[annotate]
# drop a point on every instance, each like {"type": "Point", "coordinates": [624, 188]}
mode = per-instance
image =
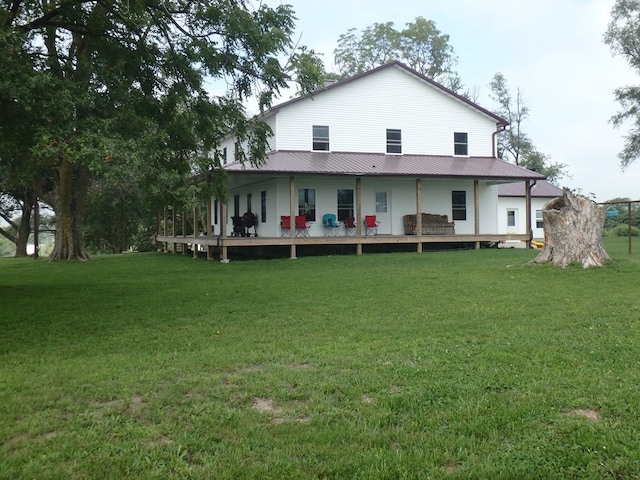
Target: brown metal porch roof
{"type": "Point", "coordinates": [542, 188]}
{"type": "Point", "coordinates": [380, 164]}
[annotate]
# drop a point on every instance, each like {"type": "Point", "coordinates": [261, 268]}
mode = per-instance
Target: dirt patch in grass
{"type": "Point", "coordinates": [278, 416]}
{"type": "Point", "coordinates": [135, 404]}
{"type": "Point", "coordinates": [158, 442]}
{"type": "Point", "coordinates": [593, 415]}
{"type": "Point", "coordinates": [23, 438]}
{"type": "Point", "coordinates": [15, 441]}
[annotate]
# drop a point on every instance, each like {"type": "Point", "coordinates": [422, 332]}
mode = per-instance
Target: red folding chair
{"type": "Point", "coordinates": [302, 226]}
{"type": "Point", "coordinates": [285, 226]}
{"type": "Point", "coordinates": [349, 226]}
{"type": "Point", "coordinates": [370, 225]}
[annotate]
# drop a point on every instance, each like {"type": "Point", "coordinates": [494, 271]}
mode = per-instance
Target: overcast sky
{"type": "Point", "coordinates": [551, 50]}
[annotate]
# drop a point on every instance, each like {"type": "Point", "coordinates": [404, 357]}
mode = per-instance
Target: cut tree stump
{"type": "Point", "coordinates": [573, 228]}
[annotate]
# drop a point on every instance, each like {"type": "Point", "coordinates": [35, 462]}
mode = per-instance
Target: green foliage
{"type": "Point", "coordinates": [622, 36]}
{"type": "Point", "coordinates": [623, 231]}
{"type": "Point", "coordinates": [105, 86]}
{"type": "Point", "coordinates": [7, 247]}
{"type": "Point", "coordinates": [514, 144]}
{"type": "Point", "coordinates": [420, 45]}
{"type": "Point", "coordinates": [436, 365]}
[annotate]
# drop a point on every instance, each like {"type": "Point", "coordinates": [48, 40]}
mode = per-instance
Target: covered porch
{"type": "Point", "coordinates": [176, 232]}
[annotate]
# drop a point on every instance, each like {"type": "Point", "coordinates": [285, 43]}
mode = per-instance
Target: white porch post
{"type": "Point", "coordinates": [357, 213]}
{"type": "Point", "coordinates": [292, 215]}
{"type": "Point", "coordinates": [527, 195]}
{"type": "Point", "coordinates": [196, 230]}
{"type": "Point", "coordinates": [476, 210]}
{"type": "Point", "coordinates": [419, 213]}
{"type": "Point", "coordinates": [224, 253]}
{"type": "Point", "coordinates": [209, 228]}
{"type": "Point", "coordinates": [183, 217]}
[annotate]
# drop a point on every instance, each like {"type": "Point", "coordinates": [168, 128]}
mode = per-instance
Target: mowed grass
{"type": "Point", "coordinates": [452, 365]}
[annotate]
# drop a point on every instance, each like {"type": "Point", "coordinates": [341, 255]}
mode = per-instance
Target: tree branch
{"type": "Point", "coordinates": [45, 19]}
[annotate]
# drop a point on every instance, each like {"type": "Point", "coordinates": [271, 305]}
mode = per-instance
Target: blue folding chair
{"type": "Point", "coordinates": [330, 225]}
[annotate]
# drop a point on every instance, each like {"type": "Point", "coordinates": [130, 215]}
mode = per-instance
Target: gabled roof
{"type": "Point", "coordinates": [379, 164]}
{"type": "Point", "coordinates": [542, 188]}
{"type": "Point", "coordinates": [395, 64]}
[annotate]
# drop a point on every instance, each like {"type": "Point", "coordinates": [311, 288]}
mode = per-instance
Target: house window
{"type": "Point", "coordinates": [236, 205]}
{"type": "Point", "coordinates": [307, 203]}
{"type": "Point", "coordinates": [263, 206]}
{"type": "Point", "coordinates": [381, 202]}
{"type": "Point", "coordinates": [394, 141]}
{"type": "Point", "coordinates": [321, 138]}
{"type": "Point", "coordinates": [460, 143]}
{"type": "Point", "coordinates": [249, 203]}
{"type": "Point", "coordinates": [459, 205]}
{"type": "Point", "coordinates": [224, 156]}
{"type": "Point", "coordinates": [345, 204]}
{"type": "Point", "coordinates": [539, 223]}
{"type": "Point", "coordinates": [511, 218]}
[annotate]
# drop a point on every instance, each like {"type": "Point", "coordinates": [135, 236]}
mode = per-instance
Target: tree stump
{"type": "Point", "coordinates": [573, 228]}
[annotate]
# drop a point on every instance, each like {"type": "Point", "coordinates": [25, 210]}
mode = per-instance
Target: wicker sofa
{"type": "Point", "coordinates": [432, 224]}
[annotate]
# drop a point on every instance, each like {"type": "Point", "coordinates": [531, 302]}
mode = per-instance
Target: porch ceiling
{"type": "Point", "coordinates": [378, 164]}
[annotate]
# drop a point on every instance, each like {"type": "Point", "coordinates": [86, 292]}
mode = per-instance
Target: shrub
{"type": "Point", "coordinates": [623, 231]}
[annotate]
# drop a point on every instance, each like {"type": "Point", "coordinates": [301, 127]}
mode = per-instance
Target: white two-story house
{"type": "Point", "coordinates": [388, 142]}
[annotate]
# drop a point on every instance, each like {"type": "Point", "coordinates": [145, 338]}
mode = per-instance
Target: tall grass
{"type": "Point", "coordinates": [451, 365]}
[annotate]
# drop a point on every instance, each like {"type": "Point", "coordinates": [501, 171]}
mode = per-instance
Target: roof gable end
{"type": "Point", "coordinates": [395, 64]}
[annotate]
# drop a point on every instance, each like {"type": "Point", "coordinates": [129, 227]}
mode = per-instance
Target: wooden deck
{"type": "Point", "coordinates": [211, 243]}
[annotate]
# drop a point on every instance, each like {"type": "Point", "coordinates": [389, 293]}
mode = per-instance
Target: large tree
{"type": "Point", "coordinates": [514, 144]}
{"type": "Point", "coordinates": [623, 37]}
{"type": "Point", "coordinates": [109, 84]}
{"type": "Point", "coordinates": [420, 45]}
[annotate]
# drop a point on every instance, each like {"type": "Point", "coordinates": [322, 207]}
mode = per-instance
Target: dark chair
{"type": "Point", "coordinates": [238, 227]}
{"type": "Point", "coordinates": [249, 219]}
{"type": "Point", "coordinates": [349, 226]}
{"type": "Point", "coordinates": [330, 225]}
{"type": "Point", "coordinates": [370, 225]}
{"type": "Point", "coordinates": [285, 226]}
{"type": "Point", "coordinates": [302, 226]}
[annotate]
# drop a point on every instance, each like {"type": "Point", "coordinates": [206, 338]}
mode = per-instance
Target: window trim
{"type": "Point", "coordinates": [394, 144]}
{"type": "Point", "coordinates": [458, 209]}
{"type": "Point", "coordinates": [318, 139]}
{"type": "Point", "coordinates": [511, 216]}
{"type": "Point", "coordinates": [459, 144]}
{"type": "Point", "coordinates": [345, 209]}
{"type": "Point", "coordinates": [306, 205]}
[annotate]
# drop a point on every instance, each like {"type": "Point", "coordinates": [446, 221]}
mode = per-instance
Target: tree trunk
{"type": "Point", "coordinates": [573, 229]}
{"type": "Point", "coordinates": [71, 186]}
{"type": "Point", "coordinates": [24, 229]}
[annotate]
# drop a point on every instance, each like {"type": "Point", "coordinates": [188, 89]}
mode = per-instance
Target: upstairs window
{"type": "Point", "coordinates": [459, 205]}
{"type": "Point", "coordinates": [394, 141]}
{"type": "Point", "coordinates": [460, 143]}
{"type": "Point", "coordinates": [224, 156]}
{"type": "Point", "coordinates": [321, 138]}
{"type": "Point", "coordinates": [511, 218]}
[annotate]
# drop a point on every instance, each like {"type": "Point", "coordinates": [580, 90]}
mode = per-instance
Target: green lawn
{"type": "Point", "coordinates": [454, 365]}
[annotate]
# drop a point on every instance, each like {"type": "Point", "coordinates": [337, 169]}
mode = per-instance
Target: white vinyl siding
{"type": "Point", "coordinates": [358, 111]}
